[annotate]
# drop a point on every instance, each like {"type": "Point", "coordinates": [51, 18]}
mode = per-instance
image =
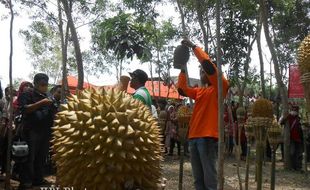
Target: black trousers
{"type": "Point", "coordinates": [3, 154]}
{"type": "Point", "coordinates": [172, 145]}
{"type": "Point", "coordinates": [296, 150]}
{"type": "Point", "coordinates": [244, 148]}
{"type": "Point", "coordinates": [32, 171]}
{"type": "Point", "coordinates": [268, 150]}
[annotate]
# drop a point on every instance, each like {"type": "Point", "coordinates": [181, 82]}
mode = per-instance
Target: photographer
{"type": "Point", "coordinates": [55, 96]}
{"type": "Point", "coordinates": [38, 111]}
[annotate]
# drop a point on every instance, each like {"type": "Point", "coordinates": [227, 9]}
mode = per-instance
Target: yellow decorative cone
{"type": "Point", "coordinates": [304, 67]}
{"type": "Point", "coordinates": [106, 140]}
{"type": "Point", "coordinates": [262, 108]}
{"type": "Point", "coordinates": [304, 55]}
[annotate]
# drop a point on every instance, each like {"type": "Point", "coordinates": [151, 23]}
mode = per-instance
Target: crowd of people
{"type": "Point", "coordinates": [35, 107]}
{"type": "Point", "coordinates": [232, 126]}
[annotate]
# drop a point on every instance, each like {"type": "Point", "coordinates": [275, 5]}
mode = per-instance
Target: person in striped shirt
{"type": "Point", "coordinates": [137, 82]}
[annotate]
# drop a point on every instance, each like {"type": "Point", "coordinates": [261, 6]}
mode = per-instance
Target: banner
{"type": "Point", "coordinates": [295, 88]}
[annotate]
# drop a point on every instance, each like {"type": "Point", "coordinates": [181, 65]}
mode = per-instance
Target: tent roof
{"type": "Point", "coordinates": [165, 92]}
{"type": "Point", "coordinates": [159, 87]}
{"type": "Point", "coordinates": [173, 93]}
{"type": "Point", "coordinates": [73, 81]}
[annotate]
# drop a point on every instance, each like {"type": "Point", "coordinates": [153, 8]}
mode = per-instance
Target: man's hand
{"type": "Point", "coordinates": [188, 43]}
{"type": "Point", "coordinates": [45, 102]}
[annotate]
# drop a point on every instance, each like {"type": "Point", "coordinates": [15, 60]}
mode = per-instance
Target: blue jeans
{"type": "Point", "coordinates": [203, 160]}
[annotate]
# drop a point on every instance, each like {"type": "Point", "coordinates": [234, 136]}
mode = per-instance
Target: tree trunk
{"type": "Point", "coordinates": [117, 71]}
{"type": "Point", "coordinates": [241, 87]}
{"type": "Point", "coordinates": [10, 126]}
{"type": "Point", "coordinates": [246, 69]}
{"type": "Point", "coordinates": [64, 47]}
{"type": "Point", "coordinates": [159, 71]}
{"type": "Point", "coordinates": [210, 34]}
{"type": "Point", "coordinates": [184, 31]}
{"type": "Point", "coordinates": [270, 84]}
{"type": "Point", "coordinates": [281, 86]}
{"type": "Point", "coordinates": [221, 142]}
{"type": "Point", "coordinates": [120, 69]}
{"type": "Point", "coordinates": [151, 72]}
{"type": "Point", "coordinates": [77, 49]}
{"type": "Point", "coordinates": [201, 23]}
{"type": "Point", "coordinates": [261, 60]}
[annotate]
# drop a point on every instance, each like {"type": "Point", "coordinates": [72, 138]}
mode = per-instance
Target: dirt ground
{"type": "Point", "coordinates": [285, 180]}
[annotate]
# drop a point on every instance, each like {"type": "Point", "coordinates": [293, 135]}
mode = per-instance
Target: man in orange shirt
{"type": "Point", "coordinates": [203, 131]}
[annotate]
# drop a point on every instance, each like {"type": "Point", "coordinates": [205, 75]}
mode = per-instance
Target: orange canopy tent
{"type": "Point", "coordinates": [72, 84]}
{"type": "Point", "coordinates": [160, 90]}
{"type": "Point", "coordinates": [165, 91]}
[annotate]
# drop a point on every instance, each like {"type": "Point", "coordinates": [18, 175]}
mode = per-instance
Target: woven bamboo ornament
{"type": "Point", "coordinates": [241, 114]}
{"type": "Point", "coordinates": [184, 115]}
{"type": "Point", "coordinates": [249, 129]}
{"type": "Point", "coordinates": [304, 67]}
{"type": "Point", "coordinates": [106, 140]}
{"type": "Point", "coordinates": [304, 56]}
{"type": "Point", "coordinates": [262, 108]}
{"type": "Point", "coordinates": [274, 133]}
{"type": "Point", "coordinates": [261, 122]}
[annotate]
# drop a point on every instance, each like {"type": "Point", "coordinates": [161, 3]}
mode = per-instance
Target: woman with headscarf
{"type": "Point", "coordinates": [25, 86]}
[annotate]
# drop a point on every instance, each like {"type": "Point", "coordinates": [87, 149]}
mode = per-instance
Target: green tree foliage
{"type": "Point", "coordinates": [43, 49]}
{"type": "Point", "coordinates": [123, 36]}
{"type": "Point", "coordinates": [237, 38]}
{"type": "Point", "coordinates": [290, 21]}
{"type": "Point", "coordinates": [143, 10]}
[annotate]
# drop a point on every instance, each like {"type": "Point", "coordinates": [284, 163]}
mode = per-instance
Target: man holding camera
{"type": "Point", "coordinates": [38, 112]}
{"type": "Point", "coordinates": [203, 131]}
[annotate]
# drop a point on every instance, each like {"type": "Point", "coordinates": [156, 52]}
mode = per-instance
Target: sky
{"type": "Point", "coordinates": [22, 62]}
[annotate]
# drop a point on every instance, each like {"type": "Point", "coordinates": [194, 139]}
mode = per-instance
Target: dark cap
{"type": "Point", "coordinates": [295, 108]}
{"type": "Point", "coordinates": [140, 75]}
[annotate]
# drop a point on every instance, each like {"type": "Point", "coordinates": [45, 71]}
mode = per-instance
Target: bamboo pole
{"type": "Point", "coordinates": [259, 164]}
{"type": "Point", "coordinates": [10, 126]}
{"type": "Point", "coordinates": [221, 147]}
{"type": "Point", "coordinates": [190, 100]}
{"type": "Point", "coordinates": [305, 134]}
{"type": "Point", "coordinates": [273, 167]}
{"type": "Point", "coordinates": [247, 164]}
{"type": "Point", "coordinates": [239, 157]}
{"type": "Point", "coordinates": [181, 161]}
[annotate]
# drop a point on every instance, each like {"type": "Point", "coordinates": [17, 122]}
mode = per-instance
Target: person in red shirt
{"type": "Point", "coordinates": [203, 130]}
{"type": "Point", "coordinates": [296, 138]}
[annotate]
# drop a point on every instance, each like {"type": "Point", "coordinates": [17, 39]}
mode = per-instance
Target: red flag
{"type": "Point", "coordinates": [295, 88]}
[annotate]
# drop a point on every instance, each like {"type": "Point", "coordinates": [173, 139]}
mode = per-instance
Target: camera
{"type": "Point", "coordinates": [55, 103]}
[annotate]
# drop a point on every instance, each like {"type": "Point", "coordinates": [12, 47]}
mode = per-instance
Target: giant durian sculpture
{"type": "Point", "coordinates": [106, 140]}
